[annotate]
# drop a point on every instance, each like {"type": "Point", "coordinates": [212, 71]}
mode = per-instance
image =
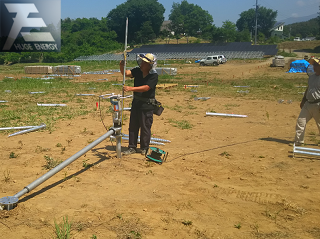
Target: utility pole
{"type": "Point", "coordinates": [256, 27]}
{"type": "Point", "coordinates": [290, 33]}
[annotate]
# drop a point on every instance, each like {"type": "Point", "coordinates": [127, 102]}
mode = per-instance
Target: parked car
{"type": "Point", "coordinates": [210, 60]}
{"type": "Point", "coordinates": [222, 59]}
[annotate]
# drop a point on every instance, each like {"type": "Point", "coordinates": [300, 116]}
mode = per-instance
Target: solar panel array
{"type": "Point", "coordinates": [232, 50]}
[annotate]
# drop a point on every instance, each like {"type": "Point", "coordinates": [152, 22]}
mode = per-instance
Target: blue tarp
{"type": "Point", "coordinates": [298, 66]}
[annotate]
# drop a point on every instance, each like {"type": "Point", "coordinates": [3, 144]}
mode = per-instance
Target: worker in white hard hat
{"type": "Point", "coordinates": [141, 116]}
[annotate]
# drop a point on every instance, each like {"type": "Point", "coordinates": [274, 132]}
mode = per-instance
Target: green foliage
{"type": "Point", "coordinates": [187, 223]}
{"type": "Point", "coordinates": [50, 162]}
{"type": "Point", "coordinates": [189, 18]}
{"type": "Point", "coordinates": [229, 31]}
{"type": "Point", "coordinates": [302, 29]}
{"type": "Point", "coordinates": [273, 40]}
{"type": "Point", "coordinates": [243, 36]}
{"type": "Point", "coordinates": [286, 54]}
{"type": "Point", "coordinates": [261, 37]}
{"type": "Point", "coordinates": [182, 124]}
{"type": "Point", "coordinates": [7, 177]}
{"type": "Point", "coordinates": [134, 235]}
{"type": "Point", "coordinates": [238, 225]}
{"type": "Point", "coordinates": [266, 20]}
{"type": "Point", "coordinates": [12, 155]}
{"type": "Point", "coordinates": [139, 12]}
{"type": "Point", "coordinates": [63, 230]}
{"type": "Point", "coordinates": [79, 37]}
{"type": "Point", "coordinates": [146, 33]}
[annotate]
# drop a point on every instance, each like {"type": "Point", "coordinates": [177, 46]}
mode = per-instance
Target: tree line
{"type": "Point", "coordinates": [82, 36]}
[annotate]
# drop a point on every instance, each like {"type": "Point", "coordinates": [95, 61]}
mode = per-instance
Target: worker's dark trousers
{"type": "Point", "coordinates": [140, 120]}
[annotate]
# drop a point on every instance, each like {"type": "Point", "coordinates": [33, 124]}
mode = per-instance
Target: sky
{"type": "Point", "coordinates": [220, 10]}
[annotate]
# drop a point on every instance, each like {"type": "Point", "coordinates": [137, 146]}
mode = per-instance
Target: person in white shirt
{"type": "Point", "coordinates": [310, 104]}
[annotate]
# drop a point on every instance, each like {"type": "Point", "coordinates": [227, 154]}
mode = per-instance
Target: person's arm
{"type": "Point", "coordinates": [304, 99]}
{"type": "Point", "coordinates": [128, 72]}
{"type": "Point", "coordinates": [142, 88]}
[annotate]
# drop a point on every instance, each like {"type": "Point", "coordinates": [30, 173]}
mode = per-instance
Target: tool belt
{"type": "Point", "coordinates": [157, 107]}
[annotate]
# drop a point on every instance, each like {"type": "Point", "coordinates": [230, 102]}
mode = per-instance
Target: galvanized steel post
{"type": "Point", "coordinates": [65, 163]}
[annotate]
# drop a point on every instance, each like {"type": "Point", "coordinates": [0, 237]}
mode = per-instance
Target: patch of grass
{"type": "Point", "coordinates": [63, 230]}
{"type": "Point", "coordinates": [134, 235]}
{"type": "Point", "coordinates": [149, 172]}
{"type": "Point", "coordinates": [225, 153]}
{"type": "Point", "coordinates": [149, 164]}
{"type": "Point", "coordinates": [229, 106]}
{"type": "Point", "coordinates": [187, 223]}
{"type": "Point", "coordinates": [13, 155]}
{"type": "Point", "coordinates": [23, 108]}
{"type": "Point", "coordinates": [191, 107]}
{"type": "Point", "coordinates": [211, 111]}
{"type": "Point", "coordinates": [130, 228]}
{"type": "Point", "coordinates": [65, 176]}
{"type": "Point", "coordinates": [85, 164]}
{"type": "Point", "coordinates": [287, 54]}
{"type": "Point", "coordinates": [181, 124]}
{"type": "Point", "coordinates": [80, 100]}
{"type": "Point", "coordinates": [39, 149]}
{"type": "Point", "coordinates": [273, 215]}
{"type": "Point", "coordinates": [176, 107]}
{"type": "Point", "coordinates": [267, 115]}
{"type": "Point", "coordinates": [63, 149]}
{"type": "Point", "coordinates": [50, 162]}
{"type": "Point", "coordinates": [7, 176]}
{"type": "Point", "coordinates": [238, 225]}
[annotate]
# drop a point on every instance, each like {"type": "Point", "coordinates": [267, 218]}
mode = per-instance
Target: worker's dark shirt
{"type": "Point", "coordinates": [151, 80]}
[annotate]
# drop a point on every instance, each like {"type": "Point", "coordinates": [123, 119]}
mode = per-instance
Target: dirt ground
{"type": "Point", "coordinates": [226, 177]}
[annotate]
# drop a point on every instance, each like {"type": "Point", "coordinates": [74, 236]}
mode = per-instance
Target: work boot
{"type": "Point", "coordinates": [143, 151]}
{"type": "Point", "coordinates": [129, 151]}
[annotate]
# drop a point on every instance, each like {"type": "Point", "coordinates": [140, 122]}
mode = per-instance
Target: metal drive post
{"type": "Point", "coordinates": [65, 163]}
{"type": "Point", "coordinates": [124, 71]}
{"type": "Point", "coordinates": [19, 127]}
{"type": "Point", "coordinates": [28, 130]}
{"type": "Point", "coordinates": [222, 114]}
{"type": "Point", "coordinates": [118, 143]}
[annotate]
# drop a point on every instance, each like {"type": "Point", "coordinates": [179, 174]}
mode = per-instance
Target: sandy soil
{"type": "Point", "coordinates": [225, 177]}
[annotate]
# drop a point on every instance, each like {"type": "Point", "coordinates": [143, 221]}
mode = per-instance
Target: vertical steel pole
{"type": "Point", "coordinates": [125, 58]}
{"type": "Point", "coordinates": [119, 139]}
